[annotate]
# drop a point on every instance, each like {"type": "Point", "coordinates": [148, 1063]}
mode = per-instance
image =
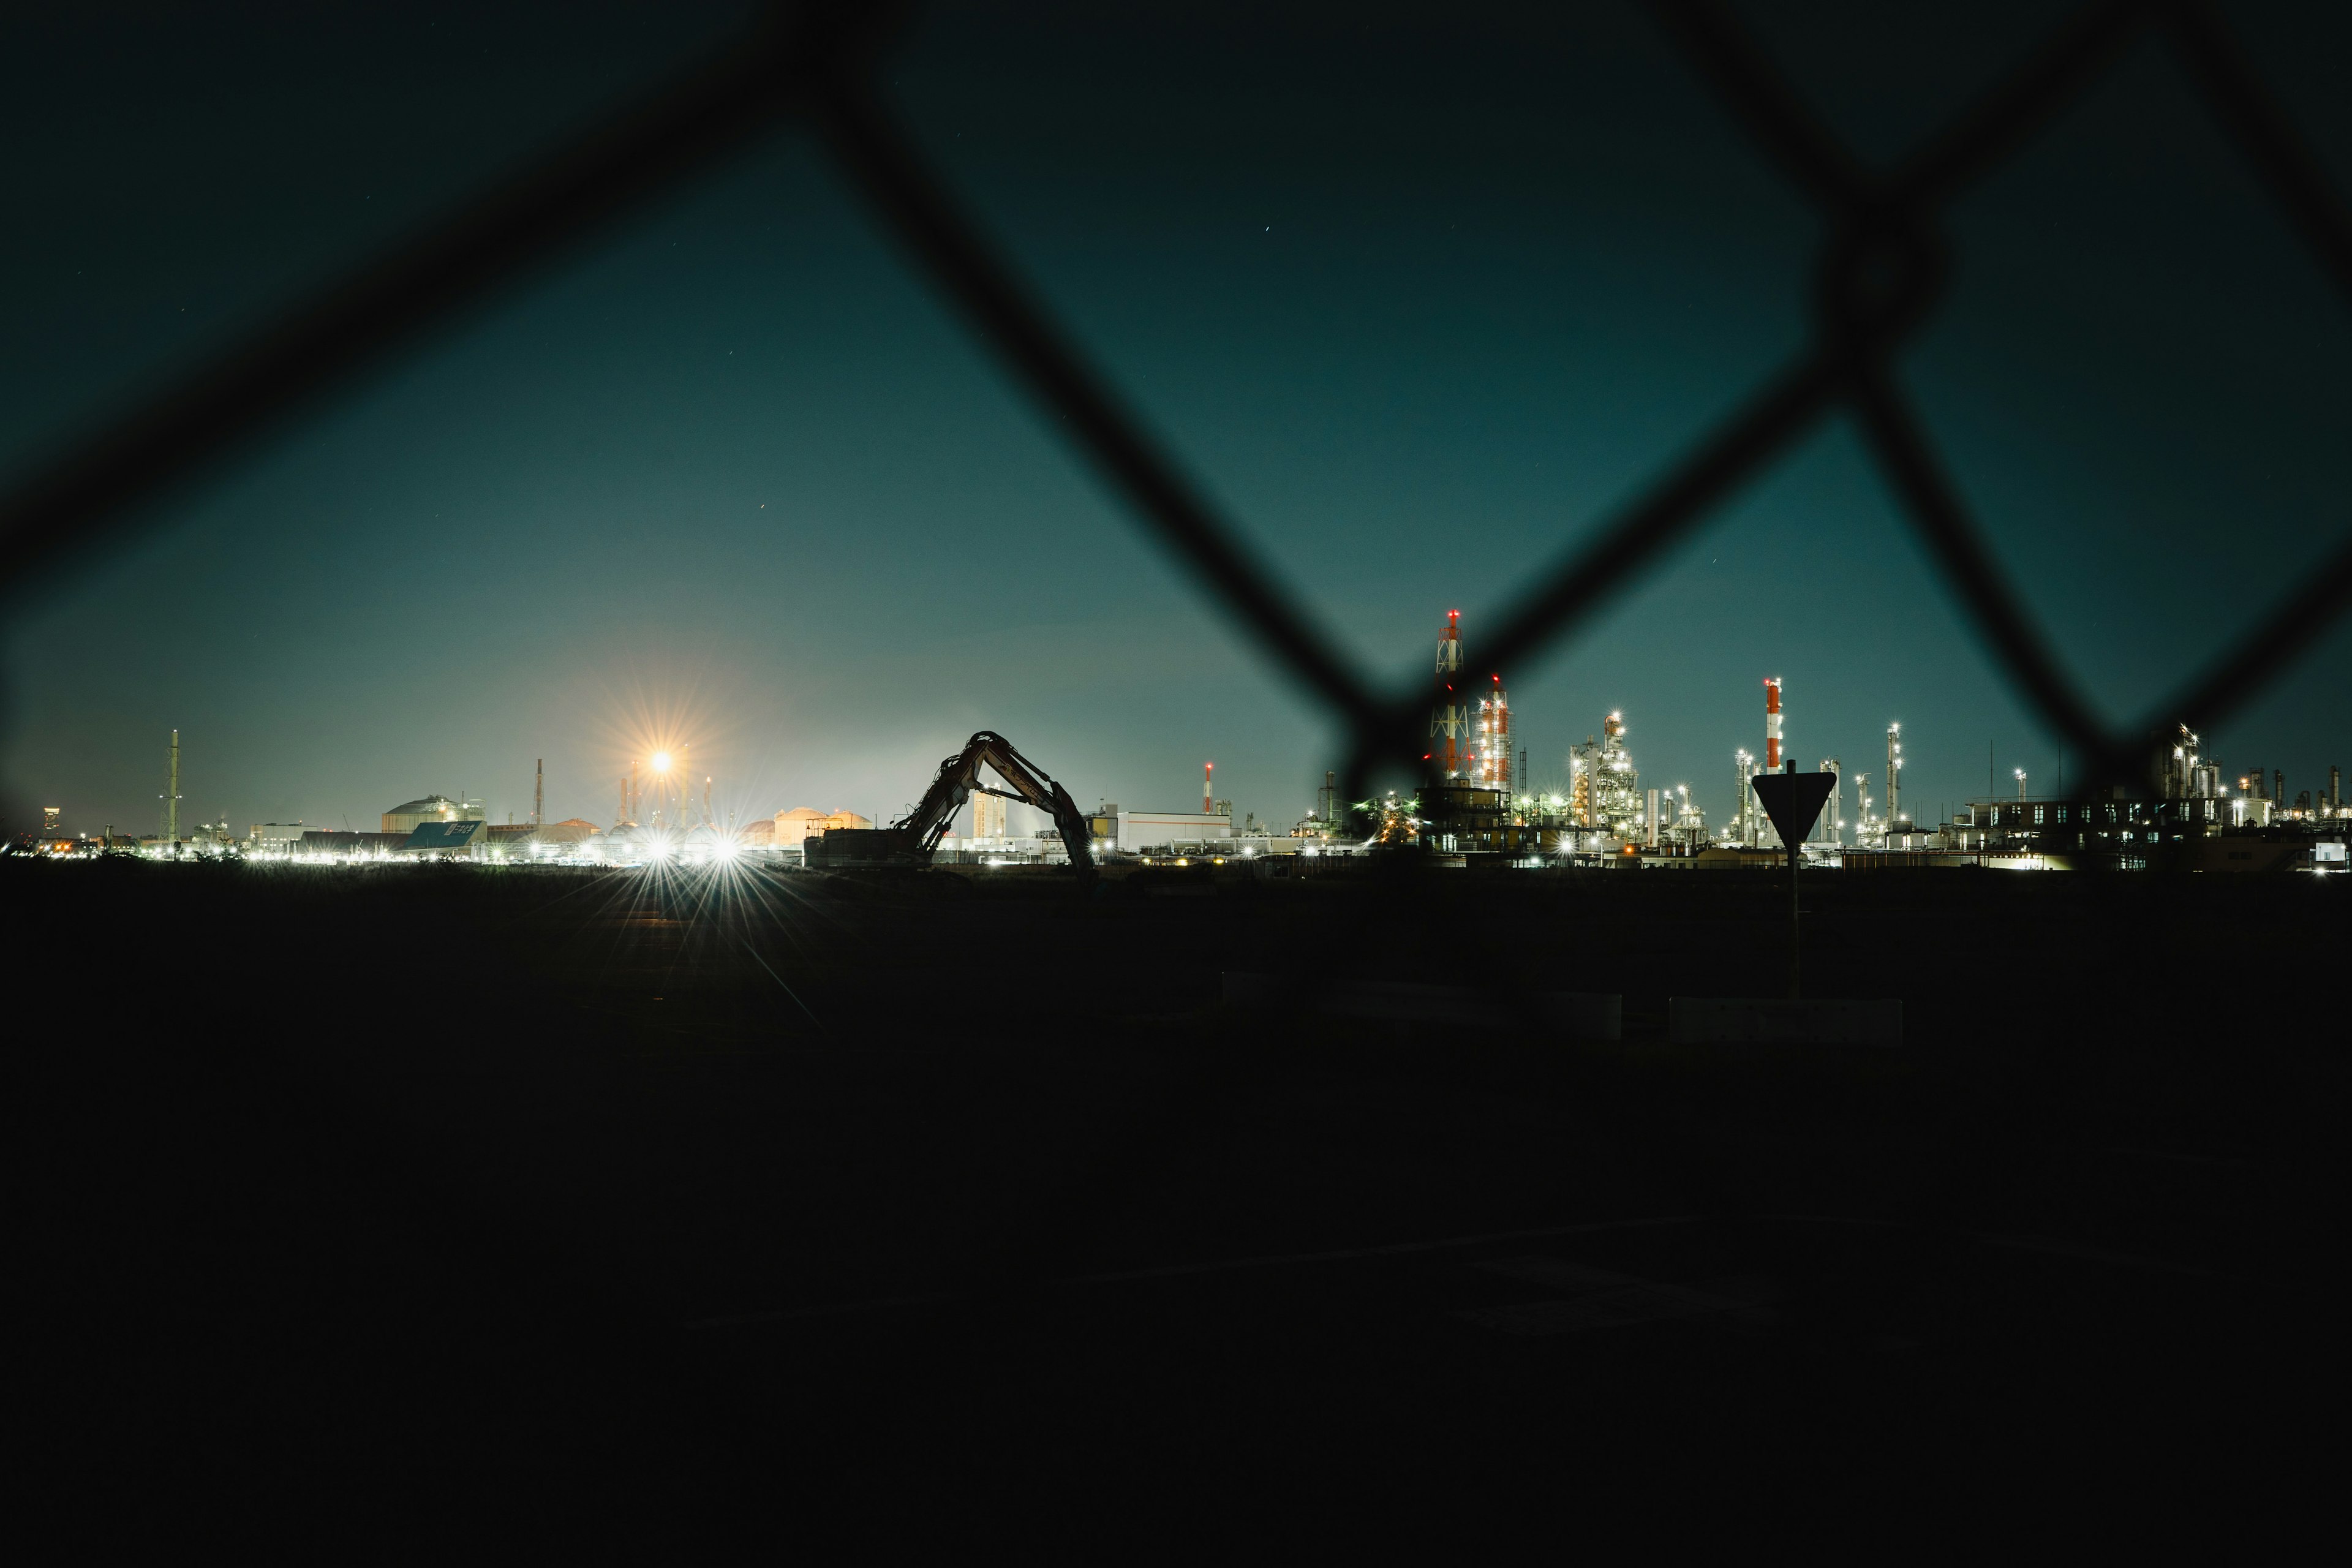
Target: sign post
{"type": "Point", "coordinates": [1793, 801]}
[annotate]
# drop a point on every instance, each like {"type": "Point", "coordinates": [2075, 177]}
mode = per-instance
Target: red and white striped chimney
{"type": "Point", "coordinates": [1772, 725]}
{"type": "Point", "coordinates": [1208, 788]}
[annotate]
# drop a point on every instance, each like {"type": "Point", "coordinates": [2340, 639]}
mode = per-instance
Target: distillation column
{"type": "Point", "coordinates": [1894, 775]}
{"type": "Point", "coordinates": [1449, 718]}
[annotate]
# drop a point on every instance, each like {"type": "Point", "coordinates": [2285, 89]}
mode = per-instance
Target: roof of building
{"type": "Point", "coordinates": [445, 835]}
{"type": "Point", "coordinates": [430, 802]}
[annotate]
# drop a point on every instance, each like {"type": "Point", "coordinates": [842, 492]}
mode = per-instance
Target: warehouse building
{"type": "Point", "coordinates": [467, 838]}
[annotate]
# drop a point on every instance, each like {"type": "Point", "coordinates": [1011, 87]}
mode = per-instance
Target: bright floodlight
{"type": "Point", "coordinates": [661, 761]}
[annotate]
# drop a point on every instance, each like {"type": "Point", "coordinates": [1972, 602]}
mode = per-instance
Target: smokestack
{"type": "Point", "coordinates": [171, 799]}
{"type": "Point", "coordinates": [1208, 789]}
{"type": "Point", "coordinates": [1772, 725]}
{"type": "Point", "coordinates": [708, 819]}
{"type": "Point", "coordinates": [539, 793]}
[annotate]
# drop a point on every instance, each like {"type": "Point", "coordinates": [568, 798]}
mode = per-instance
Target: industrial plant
{"type": "Point", "coordinates": [1472, 806]}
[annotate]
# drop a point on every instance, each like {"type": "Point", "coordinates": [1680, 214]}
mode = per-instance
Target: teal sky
{"type": "Point", "coordinates": [1418, 296]}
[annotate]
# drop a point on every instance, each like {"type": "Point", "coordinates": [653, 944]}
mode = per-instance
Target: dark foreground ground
{"type": "Point", "coordinates": [352, 1206]}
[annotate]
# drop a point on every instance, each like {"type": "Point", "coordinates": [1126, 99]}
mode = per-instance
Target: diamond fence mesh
{"type": "Point", "coordinates": [1881, 271]}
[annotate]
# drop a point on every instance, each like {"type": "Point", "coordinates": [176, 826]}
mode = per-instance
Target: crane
{"type": "Point", "coordinates": [910, 840]}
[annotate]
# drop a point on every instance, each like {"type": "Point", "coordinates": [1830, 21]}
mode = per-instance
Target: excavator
{"type": "Point", "coordinates": [910, 840]}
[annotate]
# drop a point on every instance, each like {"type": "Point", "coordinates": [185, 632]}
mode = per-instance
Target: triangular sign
{"type": "Point", "coordinates": [1793, 801]}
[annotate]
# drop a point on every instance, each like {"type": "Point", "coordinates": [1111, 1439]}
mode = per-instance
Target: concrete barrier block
{"type": "Point", "coordinates": [1731, 1020]}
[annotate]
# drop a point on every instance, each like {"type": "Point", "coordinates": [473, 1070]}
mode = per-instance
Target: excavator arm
{"type": "Point", "coordinates": [912, 839]}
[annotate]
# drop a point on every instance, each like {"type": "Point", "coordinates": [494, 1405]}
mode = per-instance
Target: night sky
{"type": "Point", "coordinates": [1417, 294]}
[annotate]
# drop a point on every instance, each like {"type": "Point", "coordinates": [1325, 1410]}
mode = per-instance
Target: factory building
{"type": "Point", "coordinates": [463, 838]}
{"type": "Point", "coordinates": [326, 844]}
{"type": "Point", "coordinates": [407, 816]}
{"type": "Point", "coordinates": [275, 837]}
{"type": "Point", "coordinates": [1153, 832]}
{"type": "Point", "coordinates": [2037, 826]}
{"type": "Point", "coordinates": [801, 823]}
{"type": "Point", "coordinates": [2226, 835]}
{"type": "Point", "coordinates": [512, 840]}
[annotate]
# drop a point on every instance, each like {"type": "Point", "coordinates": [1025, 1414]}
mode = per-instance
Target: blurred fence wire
{"type": "Point", "coordinates": [1882, 269]}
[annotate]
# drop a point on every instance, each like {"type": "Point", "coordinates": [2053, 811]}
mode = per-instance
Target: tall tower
{"type": "Point", "coordinates": [539, 793]}
{"type": "Point", "coordinates": [1893, 774]}
{"type": "Point", "coordinates": [171, 795]}
{"type": "Point", "coordinates": [987, 816]}
{"type": "Point", "coordinates": [1772, 725]}
{"type": "Point", "coordinates": [1208, 789]}
{"type": "Point", "coordinates": [1449, 717]}
{"type": "Point", "coordinates": [1826, 830]}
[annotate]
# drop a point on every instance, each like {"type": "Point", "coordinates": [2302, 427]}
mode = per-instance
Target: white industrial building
{"type": "Point", "coordinates": [1140, 832]}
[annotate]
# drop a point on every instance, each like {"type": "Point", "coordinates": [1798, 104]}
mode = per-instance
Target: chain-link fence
{"type": "Point", "coordinates": [1879, 276]}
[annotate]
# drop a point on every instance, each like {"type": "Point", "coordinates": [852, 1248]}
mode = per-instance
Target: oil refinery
{"type": "Point", "coordinates": [1473, 806]}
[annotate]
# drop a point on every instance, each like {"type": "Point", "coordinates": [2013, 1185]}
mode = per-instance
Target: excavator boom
{"type": "Point", "coordinates": [912, 839]}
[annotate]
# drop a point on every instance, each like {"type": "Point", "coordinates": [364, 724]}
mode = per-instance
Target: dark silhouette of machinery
{"type": "Point", "coordinates": [910, 840]}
